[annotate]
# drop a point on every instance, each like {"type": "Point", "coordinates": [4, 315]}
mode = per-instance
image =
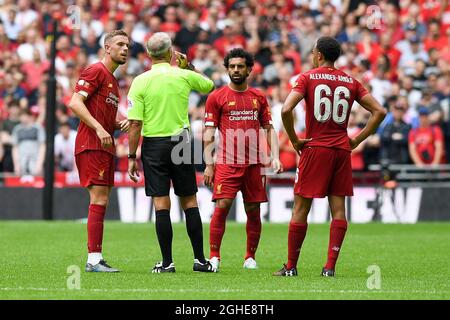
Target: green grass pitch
{"type": "Point", "coordinates": [413, 261]}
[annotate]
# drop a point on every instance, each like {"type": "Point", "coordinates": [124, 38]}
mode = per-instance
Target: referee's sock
{"type": "Point", "coordinates": [164, 232]}
{"type": "Point", "coordinates": [195, 231]}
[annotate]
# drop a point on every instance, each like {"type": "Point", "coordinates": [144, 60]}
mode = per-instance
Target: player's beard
{"type": "Point", "coordinates": [120, 62]}
{"type": "Point", "coordinates": [238, 81]}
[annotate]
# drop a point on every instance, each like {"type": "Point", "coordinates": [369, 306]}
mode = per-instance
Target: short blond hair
{"type": "Point", "coordinates": [115, 33]}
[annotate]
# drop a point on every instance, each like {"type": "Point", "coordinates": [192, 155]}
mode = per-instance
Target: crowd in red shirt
{"type": "Point", "coordinates": [397, 49]}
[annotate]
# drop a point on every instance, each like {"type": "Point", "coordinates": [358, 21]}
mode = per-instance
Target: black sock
{"type": "Point", "coordinates": [195, 231]}
{"type": "Point", "coordinates": [164, 232]}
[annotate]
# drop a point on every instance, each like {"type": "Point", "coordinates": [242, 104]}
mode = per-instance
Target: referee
{"type": "Point", "coordinates": [158, 106]}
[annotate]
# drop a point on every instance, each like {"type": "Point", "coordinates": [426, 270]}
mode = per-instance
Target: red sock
{"type": "Point", "coordinates": [253, 229]}
{"type": "Point", "coordinates": [297, 233]}
{"type": "Point", "coordinates": [95, 227]}
{"type": "Point", "coordinates": [338, 228]}
{"type": "Point", "coordinates": [216, 231]}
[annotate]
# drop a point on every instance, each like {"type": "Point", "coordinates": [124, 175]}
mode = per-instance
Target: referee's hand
{"type": "Point", "coordinates": [181, 60]}
{"type": "Point", "coordinates": [133, 171]}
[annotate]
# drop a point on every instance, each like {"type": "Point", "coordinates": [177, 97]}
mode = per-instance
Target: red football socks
{"type": "Point", "coordinates": [253, 229]}
{"type": "Point", "coordinates": [296, 235]}
{"type": "Point", "coordinates": [337, 233]}
{"type": "Point", "coordinates": [216, 231]}
{"type": "Point", "coordinates": [95, 227]}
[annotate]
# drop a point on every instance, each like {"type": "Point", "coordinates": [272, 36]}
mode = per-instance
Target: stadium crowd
{"type": "Point", "coordinates": [400, 50]}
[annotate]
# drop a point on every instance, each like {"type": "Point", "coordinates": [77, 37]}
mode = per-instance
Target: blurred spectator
{"type": "Point", "coordinates": [394, 138]}
{"type": "Point", "coordinates": [65, 147]}
{"type": "Point", "coordinates": [188, 33]}
{"type": "Point", "coordinates": [412, 54]}
{"type": "Point", "coordinates": [426, 143]}
{"type": "Point", "coordinates": [12, 26]}
{"type": "Point", "coordinates": [404, 54]}
{"type": "Point", "coordinates": [28, 141]}
{"type": "Point", "coordinates": [231, 38]}
{"type": "Point", "coordinates": [288, 155]}
{"type": "Point", "coordinates": [353, 130]}
{"type": "Point", "coordinates": [6, 129]}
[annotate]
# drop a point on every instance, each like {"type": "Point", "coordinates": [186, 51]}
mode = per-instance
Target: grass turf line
{"type": "Point", "coordinates": [412, 259]}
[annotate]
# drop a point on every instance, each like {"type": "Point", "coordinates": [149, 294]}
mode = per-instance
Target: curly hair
{"type": "Point", "coordinates": [239, 53]}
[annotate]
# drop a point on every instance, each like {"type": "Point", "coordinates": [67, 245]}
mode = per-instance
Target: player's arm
{"type": "Point", "coordinates": [272, 141]}
{"type": "Point", "coordinates": [78, 107]}
{"type": "Point", "coordinates": [134, 135]}
{"type": "Point", "coordinates": [287, 116]}
{"type": "Point", "coordinates": [378, 113]}
{"type": "Point", "coordinates": [135, 115]}
{"type": "Point", "coordinates": [208, 140]}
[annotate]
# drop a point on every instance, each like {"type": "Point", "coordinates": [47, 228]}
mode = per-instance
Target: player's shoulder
{"type": "Point", "coordinates": [219, 92]}
{"type": "Point", "coordinates": [95, 70]}
{"type": "Point", "coordinates": [256, 92]}
{"type": "Point", "coordinates": [95, 67]}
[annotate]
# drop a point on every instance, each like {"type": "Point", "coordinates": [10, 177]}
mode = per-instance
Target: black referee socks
{"type": "Point", "coordinates": [164, 232]}
{"type": "Point", "coordinates": [195, 231]}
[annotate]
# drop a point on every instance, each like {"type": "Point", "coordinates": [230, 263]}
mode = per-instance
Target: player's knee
{"type": "Point", "coordinates": [339, 214]}
{"type": "Point", "coordinates": [251, 207]}
{"type": "Point", "coordinates": [161, 203]}
{"type": "Point", "coordinates": [224, 203]}
{"type": "Point", "coordinates": [100, 200]}
{"type": "Point", "coordinates": [189, 202]}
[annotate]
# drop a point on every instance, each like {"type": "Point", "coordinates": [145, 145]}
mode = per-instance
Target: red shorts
{"type": "Point", "coordinates": [228, 180]}
{"type": "Point", "coordinates": [324, 172]}
{"type": "Point", "coordinates": [95, 167]}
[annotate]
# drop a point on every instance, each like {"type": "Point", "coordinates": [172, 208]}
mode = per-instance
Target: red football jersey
{"type": "Point", "coordinates": [424, 139]}
{"type": "Point", "coordinates": [101, 90]}
{"type": "Point", "coordinates": [239, 115]}
{"type": "Point", "coordinates": [329, 95]}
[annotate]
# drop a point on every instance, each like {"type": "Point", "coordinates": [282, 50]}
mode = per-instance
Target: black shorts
{"type": "Point", "coordinates": [161, 167]}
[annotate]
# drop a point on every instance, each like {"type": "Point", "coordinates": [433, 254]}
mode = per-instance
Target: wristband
{"type": "Point", "coordinates": [131, 156]}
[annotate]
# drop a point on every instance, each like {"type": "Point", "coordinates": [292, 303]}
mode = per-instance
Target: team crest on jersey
{"type": "Point", "coordinates": [219, 189]}
{"type": "Point", "coordinates": [101, 174]}
{"type": "Point", "coordinates": [232, 103]}
{"type": "Point", "coordinates": [129, 103]}
{"type": "Point", "coordinates": [109, 85]}
{"type": "Point", "coordinates": [255, 103]}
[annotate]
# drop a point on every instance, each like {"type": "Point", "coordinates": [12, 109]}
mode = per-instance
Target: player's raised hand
{"type": "Point", "coordinates": [208, 175]}
{"type": "Point", "coordinates": [299, 144]}
{"type": "Point", "coordinates": [181, 60]}
{"type": "Point", "coordinates": [133, 171]}
{"type": "Point", "coordinates": [277, 166]}
{"type": "Point", "coordinates": [105, 137]}
{"type": "Point", "coordinates": [124, 125]}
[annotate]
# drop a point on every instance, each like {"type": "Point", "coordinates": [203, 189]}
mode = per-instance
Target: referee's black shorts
{"type": "Point", "coordinates": [161, 166]}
